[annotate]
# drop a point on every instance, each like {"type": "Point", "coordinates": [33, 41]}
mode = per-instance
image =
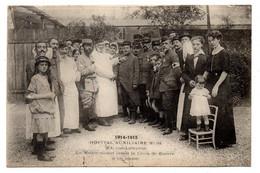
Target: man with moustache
{"type": "Point", "coordinates": [88, 86]}
{"type": "Point", "coordinates": [128, 77]}
{"type": "Point", "coordinates": [145, 67]}
{"type": "Point", "coordinates": [156, 45]}
{"type": "Point", "coordinates": [169, 88]}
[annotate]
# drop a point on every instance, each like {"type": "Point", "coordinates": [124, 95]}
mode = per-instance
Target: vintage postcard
{"type": "Point", "coordinates": [129, 86]}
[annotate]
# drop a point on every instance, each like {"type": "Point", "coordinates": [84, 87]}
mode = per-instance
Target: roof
{"type": "Point", "coordinates": [32, 15]}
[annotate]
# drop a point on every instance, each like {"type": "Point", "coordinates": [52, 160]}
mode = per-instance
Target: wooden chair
{"type": "Point", "coordinates": [203, 137]}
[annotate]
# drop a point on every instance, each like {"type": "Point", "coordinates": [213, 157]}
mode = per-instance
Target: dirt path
{"type": "Point", "coordinates": [79, 149]}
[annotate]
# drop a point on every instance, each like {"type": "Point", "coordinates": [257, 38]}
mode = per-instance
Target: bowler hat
{"type": "Point", "coordinates": [184, 34]}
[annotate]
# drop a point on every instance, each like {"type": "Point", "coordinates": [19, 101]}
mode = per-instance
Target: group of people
{"type": "Point", "coordinates": [168, 83]}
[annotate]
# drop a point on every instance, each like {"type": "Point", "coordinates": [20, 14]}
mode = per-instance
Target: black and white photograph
{"type": "Point", "coordinates": [128, 86]}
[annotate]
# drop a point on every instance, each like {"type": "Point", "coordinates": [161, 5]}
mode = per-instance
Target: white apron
{"type": "Point", "coordinates": [70, 75]}
{"type": "Point", "coordinates": [106, 103]}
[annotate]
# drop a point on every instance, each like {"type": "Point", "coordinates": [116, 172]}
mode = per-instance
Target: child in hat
{"type": "Point", "coordinates": [42, 107]}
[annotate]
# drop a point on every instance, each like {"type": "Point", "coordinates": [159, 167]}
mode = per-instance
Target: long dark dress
{"type": "Point", "coordinates": [225, 127]}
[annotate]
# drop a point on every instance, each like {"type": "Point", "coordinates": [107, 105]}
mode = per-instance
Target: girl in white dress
{"type": "Point", "coordinates": [199, 104]}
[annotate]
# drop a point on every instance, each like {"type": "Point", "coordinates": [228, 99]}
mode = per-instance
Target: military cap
{"type": "Point", "coordinates": [156, 42]}
{"type": "Point", "coordinates": [126, 43]}
{"type": "Point", "coordinates": [164, 38]}
{"type": "Point", "coordinates": [87, 41]}
{"type": "Point", "coordinates": [146, 40]}
{"type": "Point", "coordinates": [138, 37]}
{"type": "Point", "coordinates": [176, 37]}
{"type": "Point", "coordinates": [42, 59]}
{"type": "Point", "coordinates": [76, 41]}
{"type": "Point", "coordinates": [184, 34]}
{"type": "Point", "coordinates": [136, 45]}
{"type": "Point", "coordinates": [62, 45]}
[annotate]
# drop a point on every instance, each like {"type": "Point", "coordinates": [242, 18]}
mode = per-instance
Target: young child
{"type": "Point", "coordinates": [42, 107]}
{"type": "Point", "coordinates": [199, 104]}
{"type": "Point", "coordinates": [154, 93]}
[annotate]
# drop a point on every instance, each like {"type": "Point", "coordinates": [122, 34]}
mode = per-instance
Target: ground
{"type": "Point", "coordinates": [77, 149]}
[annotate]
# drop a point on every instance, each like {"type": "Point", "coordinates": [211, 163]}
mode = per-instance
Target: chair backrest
{"type": "Point", "coordinates": [213, 116]}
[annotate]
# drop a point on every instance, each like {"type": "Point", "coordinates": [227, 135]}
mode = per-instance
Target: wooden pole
{"type": "Point", "coordinates": [208, 24]}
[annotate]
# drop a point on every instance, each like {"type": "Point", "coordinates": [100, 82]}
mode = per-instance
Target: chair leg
{"type": "Point", "coordinates": [197, 141]}
{"type": "Point", "coordinates": [189, 137]}
{"type": "Point", "coordinates": [214, 145]}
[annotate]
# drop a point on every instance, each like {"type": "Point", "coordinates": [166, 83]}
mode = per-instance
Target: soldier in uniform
{"type": "Point", "coordinates": [146, 68]}
{"type": "Point", "coordinates": [170, 75]}
{"type": "Point", "coordinates": [88, 85]}
{"type": "Point", "coordinates": [128, 77]}
{"type": "Point", "coordinates": [138, 38]}
{"type": "Point", "coordinates": [156, 45]}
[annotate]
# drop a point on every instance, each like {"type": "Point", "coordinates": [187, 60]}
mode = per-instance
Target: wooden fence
{"type": "Point", "coordinates": [19, 53]}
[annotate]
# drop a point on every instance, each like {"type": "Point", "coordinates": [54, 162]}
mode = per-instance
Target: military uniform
{"type": "Point", "coordinates": [88, 86]}
{"type": "Point", "coordinates": [169, 87]}
{"type": "Point", "coordinates": [127, 76]}
{"type": "Point", "coordinates": [146, 68]}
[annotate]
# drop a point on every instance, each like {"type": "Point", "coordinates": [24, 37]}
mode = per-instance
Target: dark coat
{"type": "Point", "coordinates": [189, 72]}
{"type": "Point", "coordinates": [169, 77]}
{"type": "Point", "coordinates": [180, 55]}
{"type": "Point", "coordinates": [128, 75]}
{"type": "Point", "coordinates": [145, 66]}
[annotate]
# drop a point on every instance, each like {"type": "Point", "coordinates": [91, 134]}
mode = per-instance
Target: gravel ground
{"type": "Point", "coordinates": [72, 151]}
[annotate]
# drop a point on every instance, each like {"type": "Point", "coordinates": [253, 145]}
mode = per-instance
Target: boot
{"type": "Point", "coordinates": [133, 120]}
{"type": "Point", "coordinates": [167, 131]}
{"type": "Point", "coordinates": [198, 127]}
{"type": "Point", "coordinates": [42, 156]}
{"type": "Point", "coordinates": [89, 128]}
{"type": "Point", "coordinates": [206, 127]}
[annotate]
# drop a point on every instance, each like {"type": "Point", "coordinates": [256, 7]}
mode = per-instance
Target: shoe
{"type": "Point", "coordinates": [49, 148]}
{"type": "Point", "coordinates": [141, 120]}
{"type": "Point", "coordinates": [94, 124]}
{"type": "Point", "coordinates": [63, 136]}
{"type": "Point", "coordinates": [126, 119]}
{"type": "Point", "coordinates": [146, 121]}
{"type": "Point", "coordinates": [67, 131]}
{"type": "Point", "coordinates": [44, 157]}
{"type": "Point", "coordinates": [206, 127]}
{"type": "Point", "coordinates": [76, 130]}
{"type": "Point", "coordinates": [164, 128]}
{"type": "Point", "coordinates": [183, 137]}
{"type": "Point", "coordinates": [198, 128]}
{"type": "Point", "coordinates": [49, 142]}
{"type": "Point", "coordinates": [132, 121]}
{"type": "Point", "coordinates": [50, 155]}
{"type": "Point", "coordinates": [152, 123]}
{"type": "Point", "coordinates": [167, 131]}
{"type": "Point", "coordinates": [157, 125]}
{"type": "Point", "coordinates": [89, 128]}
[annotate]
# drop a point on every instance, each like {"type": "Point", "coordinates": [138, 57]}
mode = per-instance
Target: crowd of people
{"type": "Point", "coordinates": [167, 83]}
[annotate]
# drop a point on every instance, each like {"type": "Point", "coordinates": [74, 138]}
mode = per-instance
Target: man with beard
{"type": "Point", "coordinates": [128, 77]}
{"type": "Point", "coordinates": [138, 38]}
{"type": "Point", "coordinates": [146, 67]}
{"type": "Point", "coordinates": [169, 89]}
{"type": "Point", "coordinates": [88, 85]}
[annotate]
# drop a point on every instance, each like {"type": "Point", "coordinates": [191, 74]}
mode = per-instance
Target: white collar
{"type": "Point", "coordinates": [199, 52]}
{"type": "Point", "coordinates": [217, 50]}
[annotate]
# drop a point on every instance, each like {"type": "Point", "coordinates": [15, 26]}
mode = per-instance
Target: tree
{"type": "Point", "coordinates": [98, 30]}
{"type": "Point", "coordinates": [170, 17]}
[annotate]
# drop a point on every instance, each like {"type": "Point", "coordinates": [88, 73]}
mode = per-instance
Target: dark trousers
{"type": "Point", "coordinates": [143, 108]}
{"type": "Point", "coordinates": [127, 101]}
{"type": "Point", "coordinates": [169, 105]}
